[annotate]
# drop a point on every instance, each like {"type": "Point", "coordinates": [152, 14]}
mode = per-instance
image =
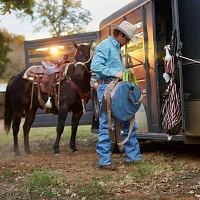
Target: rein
{"type": "Point", "coordinates": [84, 97]}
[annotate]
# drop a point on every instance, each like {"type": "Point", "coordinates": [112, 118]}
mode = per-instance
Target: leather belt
{"type": "Point", "coordinates": [104, 81]}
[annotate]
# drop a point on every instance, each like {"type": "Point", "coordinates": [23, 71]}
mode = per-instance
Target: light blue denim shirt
{"type": "Point", "coordinates": [107, 59]}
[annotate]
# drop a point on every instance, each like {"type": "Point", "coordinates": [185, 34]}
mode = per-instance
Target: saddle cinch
{"type": "Point", "coordinates": [46, 77]}
{"type": "Point", "coordinates": [121, 100]}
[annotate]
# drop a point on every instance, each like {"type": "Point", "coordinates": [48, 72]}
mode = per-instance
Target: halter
{"type": "Point", "coordinates": [84, 63]}
{"type": "Point", "coordinates": [84, 97]}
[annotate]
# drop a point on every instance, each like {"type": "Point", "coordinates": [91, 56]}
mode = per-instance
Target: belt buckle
{"type": "Point", "coordinates": [102, 81]}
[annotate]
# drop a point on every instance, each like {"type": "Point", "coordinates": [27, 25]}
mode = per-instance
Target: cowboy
{"type": "Point", "coordinates": [107, 64]}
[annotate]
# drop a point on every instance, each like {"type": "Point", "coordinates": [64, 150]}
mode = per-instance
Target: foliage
{"type": "Point", "coordinates": [14, 56]}
{"type": "Point", "coordinates": [6, 6]}
{"type": "Point", "coordinates": [59, 18]}
{"type": "Point", "coordinates": [4, 49]}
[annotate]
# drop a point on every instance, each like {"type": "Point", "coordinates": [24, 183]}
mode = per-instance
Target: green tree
{"type": "Point", "coordinates": [15, 56]}
{"type": "Point", "coordinates": [6, 6]}
{"type": "Point", "coordinates": [58, 18]}
{"type": "Point", "coordinates": [4, 49]}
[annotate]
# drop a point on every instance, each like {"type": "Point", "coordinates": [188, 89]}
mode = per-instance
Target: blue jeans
{"type": "Point", "coordinates": [103, 147]}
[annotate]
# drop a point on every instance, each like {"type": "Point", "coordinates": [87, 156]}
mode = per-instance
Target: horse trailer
{"type": "Point", "coordinates": [156, 22]}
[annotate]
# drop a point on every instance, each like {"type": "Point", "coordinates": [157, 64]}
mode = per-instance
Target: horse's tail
{"type": "Point", "coordinates": [8, 112]}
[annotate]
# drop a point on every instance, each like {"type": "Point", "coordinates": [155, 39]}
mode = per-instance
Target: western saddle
{"type": "Point", "coordinates": [46, 77]}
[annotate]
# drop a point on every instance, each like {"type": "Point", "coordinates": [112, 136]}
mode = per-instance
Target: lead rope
{"type": "Point", "coordinates": [130, 77]}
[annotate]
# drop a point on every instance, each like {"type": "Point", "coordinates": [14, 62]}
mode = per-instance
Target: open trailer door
{"type": "Point", "coordinates": [176, 29]}
{"type": "Point", "coordinates": [185, 14]}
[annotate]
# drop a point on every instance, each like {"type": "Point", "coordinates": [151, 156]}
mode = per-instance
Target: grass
{"type": "Point", "coordinates": [44, 182]}
{"type": "Point", "coordinates": [45, 132]}
{"type": "Point", "coordinates": [7, 174]}
{"type": "Point", "coordinates": [148, 169]}
{"type": "Point", "coordinates": [155, 171]}
{"type": "Point", "coordinates": [39, 183]}
{"type": "Point", "coordinates": [5, 139]}
{"type": "Point", "coordinates": [97, 188]}
{"type": "Point", "coordinates": [177, 166]}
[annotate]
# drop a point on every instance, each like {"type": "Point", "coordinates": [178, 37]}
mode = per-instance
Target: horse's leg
{"type": "Point", "coordinates": [62, 115]}
{"type": "Point", "coordinates": [75, 121]}
{"type": "Point", "coordinates": [17, 116]}
{"type": "Point", "coordinates": [30, 116]}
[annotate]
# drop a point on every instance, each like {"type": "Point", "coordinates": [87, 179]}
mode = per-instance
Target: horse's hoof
{"type": "Point", "coordinates": [17, 154]}
{"type": "Point", "coordinates": [75, 152]}
{"type": "Point", "coordinates": [28, 152]}
{"type": "Point", "coordinates": [56, 155]}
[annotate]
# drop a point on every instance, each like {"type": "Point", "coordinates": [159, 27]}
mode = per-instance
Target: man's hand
{"type": "Point", "coordinates": [119, 75]}
{"type": "Point", "coordinates": [131, 71]}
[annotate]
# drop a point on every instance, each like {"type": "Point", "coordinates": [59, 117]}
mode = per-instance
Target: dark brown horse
{"type": "Point", "coordinates": [74, 92]}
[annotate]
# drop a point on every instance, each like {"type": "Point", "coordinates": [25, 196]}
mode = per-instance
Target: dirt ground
{"type": "Point", "coordinates": [80, 169]}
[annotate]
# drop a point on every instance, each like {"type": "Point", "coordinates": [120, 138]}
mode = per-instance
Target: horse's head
{"type": "Point", "coordinates": [83, 57]}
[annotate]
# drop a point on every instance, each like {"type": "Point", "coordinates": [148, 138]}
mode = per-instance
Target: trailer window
{"type": "Point", "coordinates": [139, 25]}
{"type": "Point", "coordinates": [139, 35]}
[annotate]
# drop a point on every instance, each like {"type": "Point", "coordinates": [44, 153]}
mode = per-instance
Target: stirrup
{"type": "Point", "coordinates": [48, 103]}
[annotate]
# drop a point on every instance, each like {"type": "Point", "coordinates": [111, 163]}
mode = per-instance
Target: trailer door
{"type": "Point", "coordinates": [175, 18]}
{"type": "Point", "coordinates": [185, 14]}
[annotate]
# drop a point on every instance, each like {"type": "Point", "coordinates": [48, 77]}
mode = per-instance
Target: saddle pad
{"type": "Point", "coordinates": [29, 73]}
{"type": "Point", "coordinates": [124, 106]}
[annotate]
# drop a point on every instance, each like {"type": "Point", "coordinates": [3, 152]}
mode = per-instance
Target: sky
{"type": "Point", "coordinates": [99, 10]}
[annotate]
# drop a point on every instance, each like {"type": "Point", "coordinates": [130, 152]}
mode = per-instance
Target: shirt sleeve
{"type": "Point", "coordinates": [99, 61]}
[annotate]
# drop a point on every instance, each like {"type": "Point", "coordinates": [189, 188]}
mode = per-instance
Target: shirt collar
{"type": "Point", "coordinates": [115, 43]}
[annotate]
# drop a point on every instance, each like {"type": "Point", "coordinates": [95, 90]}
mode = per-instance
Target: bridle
{"type": "Point", "coordinates": [84, 97]}
{"type": "Point", "coordinates": [84, 63]}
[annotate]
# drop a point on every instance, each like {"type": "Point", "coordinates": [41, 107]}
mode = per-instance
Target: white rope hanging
{"type": "Point", "coordinates": [196, 61]}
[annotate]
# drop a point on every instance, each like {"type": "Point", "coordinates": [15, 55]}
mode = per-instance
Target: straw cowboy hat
{"type": "Point", "coordinates": [128, 29]}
